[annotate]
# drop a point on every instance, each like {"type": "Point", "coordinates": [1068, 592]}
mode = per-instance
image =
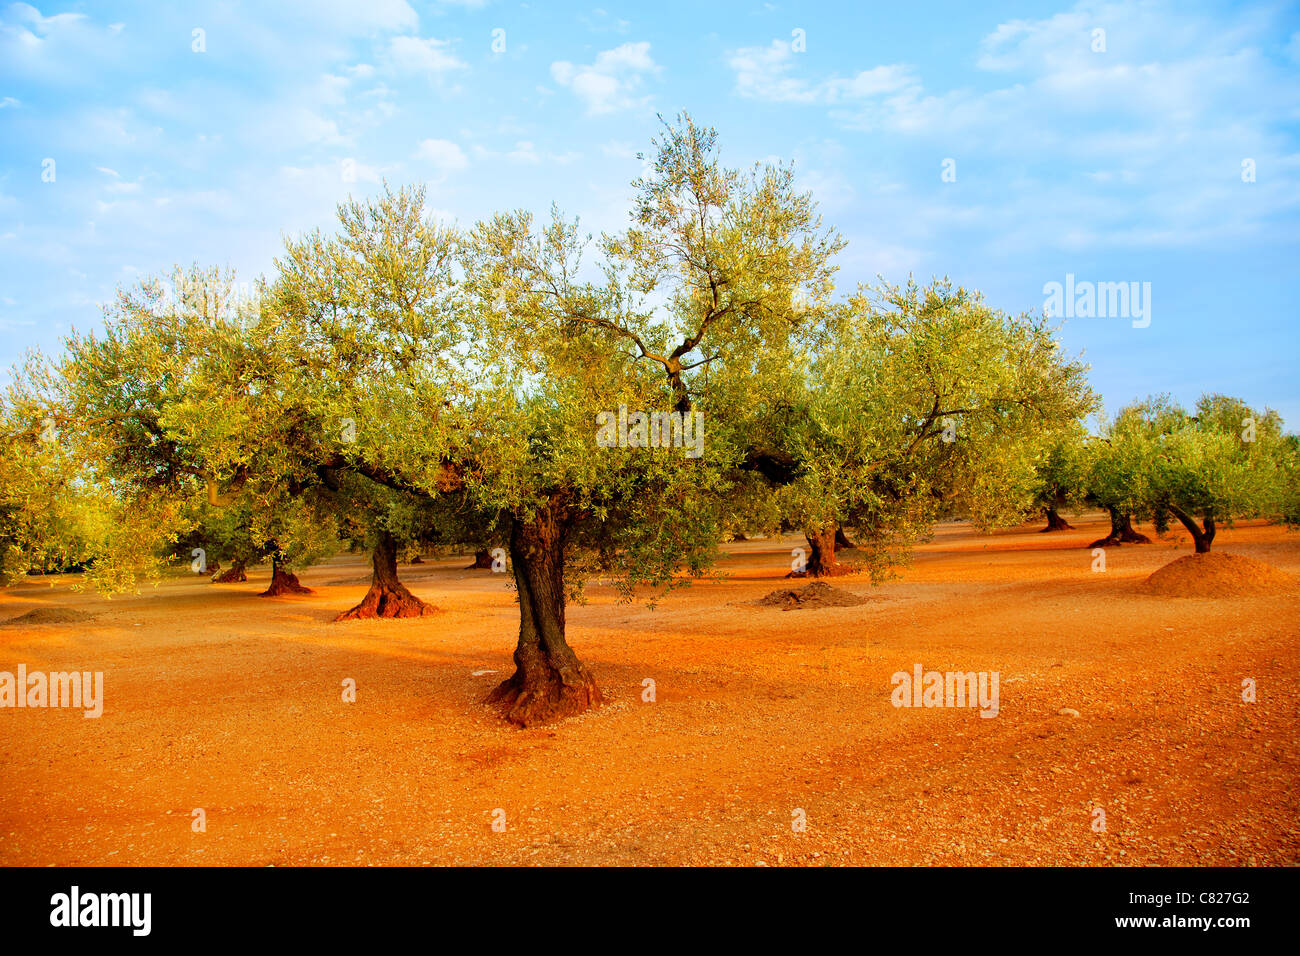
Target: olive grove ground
{"type": "Point", "coordinates": [221, 700]}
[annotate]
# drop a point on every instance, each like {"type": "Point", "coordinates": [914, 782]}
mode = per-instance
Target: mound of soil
{"type": "Point", "coordinates": [817, 594]}
{"type": "Point", "coordinates": [49, 615]}
{"type": "Point", "coordinates": [1218, 574]}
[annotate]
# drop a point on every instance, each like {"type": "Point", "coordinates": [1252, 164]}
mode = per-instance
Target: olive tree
{"type": "Point", "coordinates": [1223, 461]}
{"type": "Point", "coordinates": [1062, 476]}
{"type": "Point", "coordinates": [919, 402]}
{"type": "Point", "coordinates": [180, 398]}
{"type": "Point", "coordinates": [58, 510]}
{"type": "Point", "coordinates": [1118, 465]}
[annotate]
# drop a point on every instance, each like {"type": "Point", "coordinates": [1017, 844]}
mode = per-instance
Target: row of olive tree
{"type": "Point", "coordinates": [1157, 461]}
{"type": "Point", "coordinates": [396, 380]}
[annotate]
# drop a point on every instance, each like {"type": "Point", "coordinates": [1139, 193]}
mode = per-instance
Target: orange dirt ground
{"type": "Point", "coordinates": [218, 699]}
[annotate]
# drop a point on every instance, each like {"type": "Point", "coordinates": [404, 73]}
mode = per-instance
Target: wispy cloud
{"type": "Point", "coordinates": [1121, 98]}
{"type": "Point", "coordinates": [766, 73]}
{"type": "Point", "coordinates": [613, 81]}
{"type": "Point", "coordinates": [409, 54]}
{"type": "Point", "coordinates": [442, 155]}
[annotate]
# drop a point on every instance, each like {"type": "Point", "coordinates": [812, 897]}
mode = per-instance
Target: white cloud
{"type": "Point", "coordinates": [61, 49]}
{"type": "Point", "coordinates": [416, 55]}
{"type": "Point", "coordinates": [612, 81]}
{"type": "Point", "coordinates": [301, 124]}
{"type": "Point", "coordinates": [443, 154]}
{"type": "Point", "coordinates": [1141, 144]}
{"type": "Point", "coordinates": [524, 152]}
{"type": "Point", "coordinates": [118, 185]}
{"type": "Point", "coordinates": [763, 73]}
{"type": "Point", "coordinates": [26, 13]}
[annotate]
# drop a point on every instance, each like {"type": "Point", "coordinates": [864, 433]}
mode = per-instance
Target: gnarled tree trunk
{"type": "Point", "coordinates": [549, 681]}
{"type": "Point", "coordinates": [284, 581]}
{"type": "Point", "coordinates": [482, 561]}
{"type": "Point", "coordinates": [232, 575]}
{"type": "Point", "coordinates": [1055, 522]}
{"type": "Point", "coordinates": [1202, 538]}
{"type": "Point", "coordinates": [842, 540]}
{"type": "Point", "coordinates": [821, 559]}
{"type": "Point", "coordinates": [387, 597]}
{"type": "Point", "coordinates": [1129, 535]}
{"type": "Point", "coordinates": [1121, 532]}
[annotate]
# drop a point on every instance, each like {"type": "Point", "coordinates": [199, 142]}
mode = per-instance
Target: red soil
{"type": "Point", "coordinates": [215, 699]}
{"type": "Point", "coordinates": [1219, 574]}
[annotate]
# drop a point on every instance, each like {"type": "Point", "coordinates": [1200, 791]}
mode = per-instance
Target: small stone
{"type": "Point", "coordinates": [1068, 712]}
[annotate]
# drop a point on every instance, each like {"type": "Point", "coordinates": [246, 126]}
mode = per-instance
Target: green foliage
{"type": "Point", "coordinates": [395, 376]}
{"type": "Point", "coordinates": [1222, 461]}
{"type": "Point", "coordinates": [56, 512]}
{"type": "Point", "coordinates": [181, 400]}
{"type": "Point", "coordinates": [921, 402]}
{"type": "Point", "coordinates": [1061, 475]}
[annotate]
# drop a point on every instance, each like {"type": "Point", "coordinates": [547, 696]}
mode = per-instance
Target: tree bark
{"type": "Point", "coordinates": [482, 561]}
{"type": "Point", "coordinates": [549, 681]}
{"type": "Point", "coordinates": [388, 596]}
{"type": "Point", "coordinates": [842, 540]}
{"type": "Point", "coordinates": [1055, 522]}
{"type": "Point", "coordinates": [1111, 540]}
{"type": "Point", "coordinates": [1121, 532]}
{"type": "Point", "coordinates": [1202, 538]}
{"type": "Point", "coordinates": [821, 560]}
{"type": "Point", "coordinates": [232, 575]}
{"type": "Point", "coordinates": [284, 581]}
{"type": "Point", "coordinates": [1129, 535]}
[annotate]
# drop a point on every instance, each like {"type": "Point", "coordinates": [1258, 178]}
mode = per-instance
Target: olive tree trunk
{"type": "Point", "coordinates": [1202, 537]}
{"type": "Point", "coordinates": [549, 681]}
{"type": "Point", "coordinates": [388, 596]}
{"type": "Point", "coordinates": [1055, 522]}
{"type": "Point", "coordinates": [231, 575]}
{"type": "Point", "coordinates": [482, 561]}
{"type": "Point", "coordinates": [822, 562]}
{"type": "Point", "coordinates": [284, 581]}
{"type": "Point", "coordinates": [1121, 532]}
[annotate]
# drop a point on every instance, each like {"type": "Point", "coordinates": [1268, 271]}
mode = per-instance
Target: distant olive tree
{"type": "Point", "coordinates": [1223, 461]}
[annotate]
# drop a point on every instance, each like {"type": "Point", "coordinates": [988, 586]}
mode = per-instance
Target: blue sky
{"type": "Point", "coordinates": [1114, 156]}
